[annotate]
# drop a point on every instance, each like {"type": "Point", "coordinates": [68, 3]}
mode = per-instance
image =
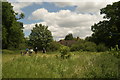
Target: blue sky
{"type": "Point", "coordinates": [61, 17]}
{"type": "Point", "coordinates": [49, 6]}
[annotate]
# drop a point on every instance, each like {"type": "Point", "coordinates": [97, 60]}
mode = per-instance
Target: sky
{"type": "Point", "coordinates": [62, 18]}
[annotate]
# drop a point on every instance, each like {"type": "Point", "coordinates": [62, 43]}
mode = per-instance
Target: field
{"type": "Point", "coordinates": [50, 65]}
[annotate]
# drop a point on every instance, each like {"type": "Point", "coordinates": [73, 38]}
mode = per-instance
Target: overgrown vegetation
{"type": "Point", "coordinates": [83, 45]}
{"type": "Point", "coordinates": [54, 46]}
{"type": "Point", "coordinates": [64, 50]}
{"type": "Point", "coordinates": [97, 56]}
{"type": "Point", "coordinates": [79, 65]}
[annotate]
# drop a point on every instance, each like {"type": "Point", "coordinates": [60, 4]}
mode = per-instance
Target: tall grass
{"type": "Point", "coordinates": [79, 65]}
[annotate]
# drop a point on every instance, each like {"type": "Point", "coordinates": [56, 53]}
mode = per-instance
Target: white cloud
{"type": "Point", "coordinates": [39, 13]}
{"type": "Point", "coordinates": [64, 18]}
{"type": "Point", "coordinates": [86, 6]}
{"type": "Point", "coordinates": [18, 6]}
{"type": "Point", "coordinates": [64, 21]}
{"type": "Point", "coordinates": [62, 0]}
{"type": "Point", "coordinates": [90, 7]}
{"type": "Point", "coordinates": [82, 6]}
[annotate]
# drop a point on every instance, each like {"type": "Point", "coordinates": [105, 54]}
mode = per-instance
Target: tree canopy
{"type": "Point", "coordinates": [12, 33]}
{"type": "Point", "coordinates": [40, 36]}
{"type": "Point", "coordinates": [69, 36]}
{"type": "Point", "coordinates": [108, 31]}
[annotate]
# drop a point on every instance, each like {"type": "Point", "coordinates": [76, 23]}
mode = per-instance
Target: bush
{"type": "Point", "coordinates": [89, 46]}
{"type": "Point", "coordinates": [101, 48]}
{"type": "Point", "coordinates": [114, 48]}
{"type": "Point", "coordinates": [64, 50]}
{"type": "Point", "coordinates": [83, 46]}
{"type": "Point", "coordinates": [115, 53]}
{"type": "Point", "coordinates": [77, 47]}
{"type": "Point", "coordinates": [54, 46]}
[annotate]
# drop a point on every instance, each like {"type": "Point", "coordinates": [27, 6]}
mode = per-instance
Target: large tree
{"type": "Point", "coordinates": [12, 33]}
{"type": "Point", "coordinates": [69, 36]}
{"type": "Point", "coordinates": [40, 36]}
{"type": "Point", "coordinates": [108, 31]}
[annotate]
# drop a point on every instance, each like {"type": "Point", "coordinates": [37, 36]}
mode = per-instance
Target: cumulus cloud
{"type": "Point", "coordinates": [60, 23]}
{"type": "Point", "coordinates": [59, 33]}
{"type": "Point", "coordinates": [65, 21]}
{"type": "Point", "coordinates": [82, 6]}
{"type": "Point", "coordinates": [64, 18]}
{"type": "Point", "coordinates": [86, 6]}
{"type": "Point", "coordinates": [92, 7]}
{"type": "Point", "coordinates": [18, 6]}
{"type": "Point", "coordinates": [61, 0]}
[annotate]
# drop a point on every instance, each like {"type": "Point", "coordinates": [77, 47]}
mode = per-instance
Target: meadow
{"type": "Point", "coordinates": [51, 65]}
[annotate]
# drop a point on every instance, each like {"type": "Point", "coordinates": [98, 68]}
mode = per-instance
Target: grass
{"type": "Point", "coordinates": [79, 65]}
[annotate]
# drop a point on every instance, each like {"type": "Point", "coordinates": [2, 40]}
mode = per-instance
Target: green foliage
{"type": "Point", "coordinates": [101, 48]}
{"type": "Point", "coordinates": [64, 50]}
{"type": "Point", "coordinates": [80, 65]}
{"type": "Point", "coordinates": [54, 46]}
{"type": "Point", "coordinates": [7, 52]}
{"type": "Point", "coordinates": [69, 37]}
{"type": "Point", "coordinates": [89, 46]}
{"type": "Point", "coordinates": [76, 47]}
{"type": "Point", "coordinates": [101, 34]}
{"type": "Point", "coordinates": [12, 34]}
{"type": "Point", "coordinates": [4, 38]}
{"type": "Point", "coordinates": [40, 36]}
{"type": "Point", "coordinates": [82, 45]}
{"type": "Point", "coordinates": [23, 46]}
{"type": "Point", "coordinates": [115, 53]}
{"type": "Point", "coordinates": [21, 16]}
{"type": "Point", "coordinates": [108, 31]}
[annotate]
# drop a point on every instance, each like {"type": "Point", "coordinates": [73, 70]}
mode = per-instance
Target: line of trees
{"type": "Point", "coordinates": [105, 32]}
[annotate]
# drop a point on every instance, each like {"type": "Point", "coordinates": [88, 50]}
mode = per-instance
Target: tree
{"type": "Point", "coordinates": [40, 36]}
{"type": "Point", "coordinates": [101, 33]}
{"type": "Point", "coordinates": [19, 16]}
{"type": "Point", "coordinates": [12, 33]}
{"type": "Point", "coordinates": [108, 31]}
{"type": "Point", "coordinates": [69, 37]}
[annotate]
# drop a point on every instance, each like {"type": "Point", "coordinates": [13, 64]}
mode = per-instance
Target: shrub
{"type": "Point", "coordinates": [64, 50]}
{"type": "Point", "coordinates": [115, 53]}
{"type": "Point", "coordinates": [83, 46]}
{"type": "Point", "coordinates": [89, 46]}
{"type": "Point", "coordinates": [101, 48]}
{"type": "Point", "coordinates": [77, 47]}
{"type": "Point", "coordinates": [114, 48]}
{"type": "Point", "coordinates": [54, 46]}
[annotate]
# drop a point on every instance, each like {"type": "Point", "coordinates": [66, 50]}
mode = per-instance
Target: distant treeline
{"type": "Point", "coordinates": [106, 33]}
